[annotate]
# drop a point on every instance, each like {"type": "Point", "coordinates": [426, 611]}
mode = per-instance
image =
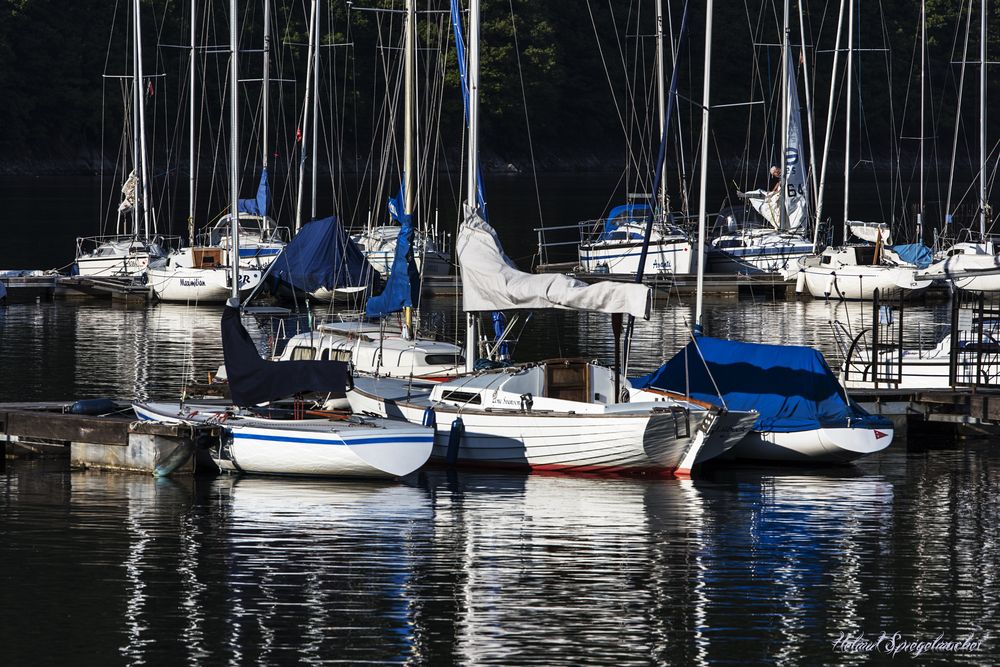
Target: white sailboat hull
{"type": "Point", "coordinates": [823, 445]}
{"type": "Point", "coordinates": [631, 440]}
{"type": "Point", "coordinates": [314, 447]}
{"type": "Point", "coordinates": [860, 282]}
{"type": "Point", "coordinates": [190, 285]}
{"type": "Point", "coordinates": [667, 256]}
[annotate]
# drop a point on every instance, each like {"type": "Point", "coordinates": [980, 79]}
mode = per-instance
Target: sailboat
{"type": "Point", "coordinates": [561, 414]}
{"type": "Point", "coordinates": [802, 413]}
{"type": "Point", "coordinates": [376, 346]}
{"type": "Point", "coordinates": [972, 264]}
{"type": "Point", "coordinates": [202, 272]}
{"type": "Point", "coordinates": [785, 210]}
{"type": "Point", "coordinates": [857, 271]}
{"type": "Point", "coordinates": [618, 244]}
{"type": "Point", "coordinates": [259, 441]}
{"type": "Point", "coordinates": [128, 255]}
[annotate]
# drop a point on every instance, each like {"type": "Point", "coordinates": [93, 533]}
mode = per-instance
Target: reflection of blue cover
{"type": "Point", "coordinates": [915, 253]}
{"type": "Point", "coordinates": [258, 205]}
{"type": "Point", "coordinates": [790, 386]}
{"type": "Point", "coordinates": [321, 255]}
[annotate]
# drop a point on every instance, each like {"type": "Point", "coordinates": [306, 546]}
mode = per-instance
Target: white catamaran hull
{"type": "Point", "coordinates": [374, 448]}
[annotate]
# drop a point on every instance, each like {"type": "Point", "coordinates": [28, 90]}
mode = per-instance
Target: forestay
{"type": "Point", "coordinates": [490, 281]}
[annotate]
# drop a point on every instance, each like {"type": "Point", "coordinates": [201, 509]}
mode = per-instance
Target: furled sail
{"type": "Point", "coordinates": [402, 289]}
{"type": "Point", "coordinates": [873, 232]}
{"type": "Point", "coordinates": [128, 194]}
{"type": "Point", "coordinates": [258, 204]}
{"type": "Point", "coordinates": [490, 281]}
{"type": "Point", "coordinates": [793, 180]}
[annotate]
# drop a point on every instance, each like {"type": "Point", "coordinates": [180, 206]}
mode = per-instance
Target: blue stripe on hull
{"type": "Point", "coordinates": [416, 439]}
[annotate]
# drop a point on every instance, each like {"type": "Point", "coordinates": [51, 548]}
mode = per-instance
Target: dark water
{"type": "Point", "coordinates": [743, 566]}
{"type": "Point", "coordinates": [739, 565]}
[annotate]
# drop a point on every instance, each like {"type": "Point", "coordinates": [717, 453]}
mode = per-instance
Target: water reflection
{"type": "Point", "coordinates": [766, 564]}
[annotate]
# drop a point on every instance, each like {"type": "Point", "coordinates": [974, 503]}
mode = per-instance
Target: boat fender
{"type": "Point", "coordinates": [526, 402]}
{"type": "Point", "coordinates": [93, 406]}
{"type": "Point", "coordinates": [430, 419]}
{"type": "Point", "coordinates": [455, 441]}
{"type": "Point", "coordinates": [800, 282]}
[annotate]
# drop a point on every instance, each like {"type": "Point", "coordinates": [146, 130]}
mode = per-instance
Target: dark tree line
{"type": "Point", "coordinates": [583, 67]}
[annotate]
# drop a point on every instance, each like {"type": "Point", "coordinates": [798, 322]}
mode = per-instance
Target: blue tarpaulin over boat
{"type": "Point", "coordinates": [321, 255]}
{"type": "Point", "coordinates": [915, 253]}
{"type": "Point", "coordinates": [791, 387]}
{"type": "Point", "coordinates": [402, 289]}
{"type": "Point", "coordinates": [258, 205]}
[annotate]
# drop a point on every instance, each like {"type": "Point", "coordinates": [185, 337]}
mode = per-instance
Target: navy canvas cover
{"type": "Point", "coordinates": [792, 387]}
{"type": "Point", "coordinates": [322, 255]}
{"type": "Point", "coordinates": [402, 289]}
{"type": "Point", "coordinates": [257, 205]}
{"type": "Point", "coordinates": [254, 380]}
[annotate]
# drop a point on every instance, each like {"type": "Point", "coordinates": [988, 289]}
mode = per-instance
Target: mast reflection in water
{"type": "Point", "coordinates": [754, 565]}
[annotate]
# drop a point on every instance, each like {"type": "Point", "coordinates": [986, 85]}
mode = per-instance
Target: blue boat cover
{"type": "Point", "coordinates": [254, 380]}
{"type": "Point", "coordinates": [915, 253]}
{"type": "Point", "coordinates": [321, 255]}
{"type": "Point", "coordinates": [791, 387]}
{"type": "Point", "coordinates": [258, 205]}
{"type": "Point", "coordinates": [626, 213]}
{"type": "Point", "coordinates": [402, 289]}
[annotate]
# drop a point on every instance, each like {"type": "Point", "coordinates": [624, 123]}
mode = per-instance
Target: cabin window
{"type": "Point", "coordinates": [300, 353]}
{"type": "Point", "coordinates": [827, 259]}
{"type": "Point", "coordinates": [326, 355]}
{"type": "Point", "coordinates": [865, 255]}
{"type": "Point", "coordinates": [731, 243]}
{"type": "Point", "coordinates": [444, 359]}
{"type": "Point", "coordinates": [469, 397]}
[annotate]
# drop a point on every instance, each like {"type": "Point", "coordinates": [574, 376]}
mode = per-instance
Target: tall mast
{"type": "Point", "coordinates": [143, 171]}
{"type": "Point", "coordinates": [234, 171]}
{"type": "Point", "coordinates": [703, 185]}
{"type": "Point", "coordinates": [266, 85]}
{"type": "Point", "coordinates": [982, 120]}
{"type": "Point", "coordinates": [847, 132]}
{"type": "Point", "coordinates": [661, 97]}
{"type": "Point", "coordinates": [923, 87]}
{"type": "Point", "coordinates": [315, 115]}
{"type": "Point", "coordinates": [192, 171]}
{"type": "Point", "coordinates": [829, 128]}
{"type": "Point", "coordinates": [809, 107]}
{"type": "Point", "coordinates": [785, 109]}
{"type": "Point", "coordinates": [472, 335]}
{"type": "Point", "coordinates": [136, 105]}
{"type": "Point", "coordinates": [305, 117]}
{"type": "Point", "coordinates": [409, 113]}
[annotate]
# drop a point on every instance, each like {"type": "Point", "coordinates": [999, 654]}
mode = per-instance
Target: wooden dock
{"type": "Point", "coordinates": [117, 441]}
{"type": "Point", "coordinates": [29, 287]}
{"type": "Point", "coordinates": [117, 289]}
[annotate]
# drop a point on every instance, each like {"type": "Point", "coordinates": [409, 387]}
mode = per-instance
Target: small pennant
{"type": "Point", "coordinates": [879, 435]}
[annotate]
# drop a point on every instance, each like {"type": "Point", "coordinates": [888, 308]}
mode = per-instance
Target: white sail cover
{"type": "Point", "coordinates": [490, 281]}
{"type": "Point", "coordinates": [793, 179]}
{"type": "Point", "coordinates": [870, 231]}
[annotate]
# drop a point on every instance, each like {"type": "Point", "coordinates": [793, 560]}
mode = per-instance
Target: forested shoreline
{"type": "Point", "coordinates": [579, 75]}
